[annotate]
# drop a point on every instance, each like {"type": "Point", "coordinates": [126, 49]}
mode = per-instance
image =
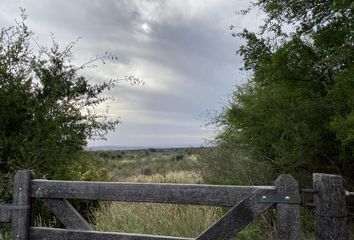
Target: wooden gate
{"type": "Point", "coordinates": [246, 202]}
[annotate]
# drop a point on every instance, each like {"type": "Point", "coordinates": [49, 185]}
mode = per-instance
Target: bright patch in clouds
{"type": "Point", "coordinates": [146, 28]}
{"type": "Point", "coordinates": [183, 51]}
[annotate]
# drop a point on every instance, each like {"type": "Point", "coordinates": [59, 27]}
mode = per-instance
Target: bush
{"type": "Point", "coordinates": [225, 165]}
{"type": "Point", "coordinates": [47, 109]}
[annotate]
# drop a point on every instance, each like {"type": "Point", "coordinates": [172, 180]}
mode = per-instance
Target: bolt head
{"type": "Point", "coordinates": [287, 198]}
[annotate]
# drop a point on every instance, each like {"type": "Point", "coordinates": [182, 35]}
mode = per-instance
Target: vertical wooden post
{"type": "Point", "coordinates": [21, 204]}
{"type": "Point", "coordinates": [288, 215]}
{"type": "Point", "coordinates": [331, 210]}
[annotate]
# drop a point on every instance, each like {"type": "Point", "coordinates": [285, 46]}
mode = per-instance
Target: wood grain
{"type": "Point", "coordinates": [194, 194]}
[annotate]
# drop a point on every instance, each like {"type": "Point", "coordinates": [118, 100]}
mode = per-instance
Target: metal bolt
{"type": "Point", "coordinates": [39, 189]}
{"type": "Point", "coordinates": [20, 189]}
{"type": "Point", "coordinates": [287, 198]}
{"type": "Point", "coordinates": [264, 197]}
{"type": "Point", "coordinates": [17, 236]}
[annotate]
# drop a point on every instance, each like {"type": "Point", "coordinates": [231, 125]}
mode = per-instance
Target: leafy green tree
{"type": "Point", "coordinates": [47, 109]}
{"type": "Point", "coordinates": [296, 112]}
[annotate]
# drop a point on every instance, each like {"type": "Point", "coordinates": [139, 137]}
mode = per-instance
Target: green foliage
{"type": "Point", "coordinates": [124, 164]}
{"type": "Point", "coordinates": [251, 232]}
{"type": "Point", "coordinates": [296, 110]}
{"type": "Point", "coordinates": [87, 167]}
{"type": "Point", "coordinates": [225, 165]}
{"type": "Point", "coordinates": [304, 16]}
{"type": "Point", "coordinates": [47, 109]}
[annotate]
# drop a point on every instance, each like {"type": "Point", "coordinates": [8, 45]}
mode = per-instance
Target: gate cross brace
{"type": "Point", "coordinates": [237, 218]}
{"type": "Point", "coordinates": [67, 214]}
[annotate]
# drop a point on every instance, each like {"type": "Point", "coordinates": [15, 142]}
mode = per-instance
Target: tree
{"type": "Point", "coordinates": [47, 109]}
{"type": "Point", "coordinates": [296, 112]}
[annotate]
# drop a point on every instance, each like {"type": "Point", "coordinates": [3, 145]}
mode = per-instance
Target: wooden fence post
{"type": "Point", "coordinates": [288, 215]}
{"type": "Point", "coordinates": [331, 210]}
{"type": "Point", "coordinates": [21, 204]}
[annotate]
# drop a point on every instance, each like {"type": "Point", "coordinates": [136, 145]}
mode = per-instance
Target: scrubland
{"type": "Point", "coordinates": [164, 166]}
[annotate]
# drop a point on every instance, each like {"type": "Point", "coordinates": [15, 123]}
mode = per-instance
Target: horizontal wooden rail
{"type": "Point", "coordinates": [39, 233]}
{"type": "Point", "coordinates": [193, 194]}
{"type": "Point", "coordinates": [328, 196]}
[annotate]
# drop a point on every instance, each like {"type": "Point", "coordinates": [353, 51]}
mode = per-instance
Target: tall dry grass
{"type": "Point", "coordinates": [159, 219]}
{"type": "Point", "coordinates": [169, 219]}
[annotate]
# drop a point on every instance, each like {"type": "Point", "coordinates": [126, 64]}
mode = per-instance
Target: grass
{"type": "Point", "coordinates": [164, 219]}
{"type": "Point", "coordinates": [173, 166]}
{"type": "Point", "coordinates": [5, 231]}
{"type": "Point", "coordinates": [126, 164]}
{"type": "Point", "coordinates": [164, 166]}
{"type": "Point", "coordinates": [157, 219]}
{"type": "Point", "coordinates": [188, 177]}
{"type": "Point", "coordinates": [150, 218]}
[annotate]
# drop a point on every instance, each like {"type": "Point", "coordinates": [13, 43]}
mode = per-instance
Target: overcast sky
{"type": "Point", "coordinates": [182, 49]}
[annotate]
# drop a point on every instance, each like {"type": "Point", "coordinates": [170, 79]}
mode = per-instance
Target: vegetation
{"type": "Point", "coordinates": [295, 113]}
{"type": "Point", "coordinates": [47, 110]}
{"type": "Point", "coordinates": [164, 219]}
{"type": "Point", "coordinates": [150, 163]}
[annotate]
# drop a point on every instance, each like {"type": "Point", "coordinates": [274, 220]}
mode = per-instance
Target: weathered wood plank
{"type": "Point", "coordinates": [67, 214]}
{"type": "Point", "coordinates": [5, 213]}
{"type": "Point", "coordinates": [21, 197]}
{"type": "Point", "coordinates": [195, 194]}
{"type": "Point", "coordinates": [288, 215]}
{"type": "Point", "coordinates": [331, 210]}
{"type": "Point", "coordinates": [236, 219]}
{"type": "Point", "coordinates": [38, 233]}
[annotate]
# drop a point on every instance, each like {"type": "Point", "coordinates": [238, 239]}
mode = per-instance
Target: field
{"type": "Point", "coordinates": [169, 165]}
{"type": "Point", "coordinates": [163, 166]}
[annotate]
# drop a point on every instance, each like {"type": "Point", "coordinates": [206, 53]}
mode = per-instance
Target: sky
{"type": "Point", "coordinates": [182, 50]}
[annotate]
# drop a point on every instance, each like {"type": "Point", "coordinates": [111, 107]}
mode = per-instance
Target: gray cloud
{"type": "Point", "coordinates": [182, 49]}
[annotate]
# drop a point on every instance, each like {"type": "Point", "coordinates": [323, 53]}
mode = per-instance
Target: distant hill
{"type": "Point", "coordinates": [115, 148]}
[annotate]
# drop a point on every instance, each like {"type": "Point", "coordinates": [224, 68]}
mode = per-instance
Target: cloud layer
{"type": "Point", "coordinates": [181, 48]}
